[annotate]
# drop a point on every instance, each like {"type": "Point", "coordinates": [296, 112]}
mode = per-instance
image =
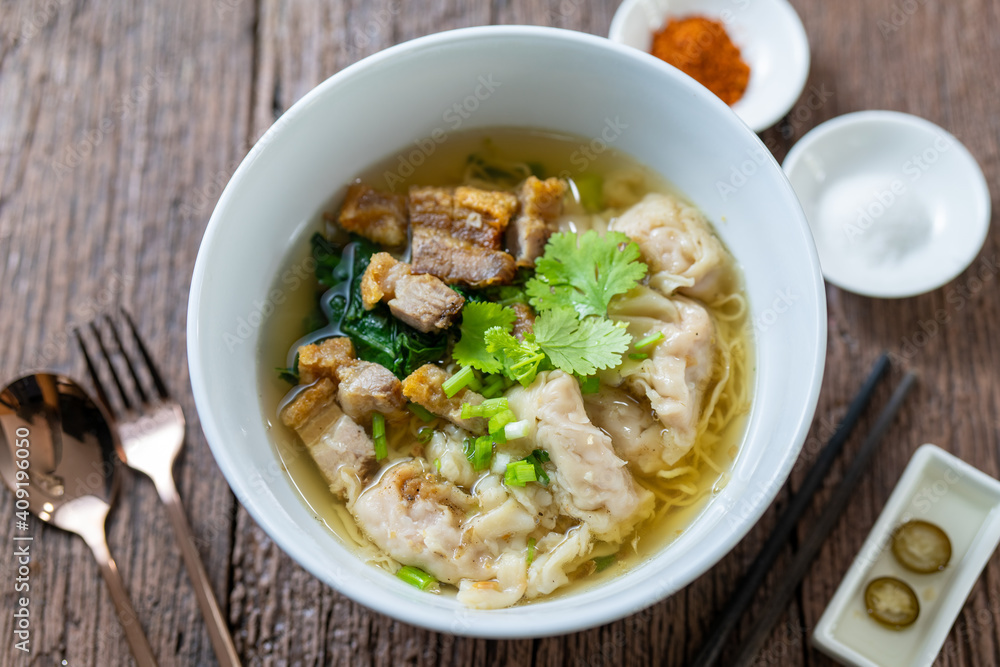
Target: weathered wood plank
{"type": "Point", "coordinates": [120, 125]}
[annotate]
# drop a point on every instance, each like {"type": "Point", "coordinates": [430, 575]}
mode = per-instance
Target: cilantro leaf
{"type": "Point", "coordinates": [580, 346]}
{"type": "Point", "coordinates": [470, 350]}
{"type": "Point", "coordinates": [519, 360]}
{"type": "Point", "coordinates": [584, 272]}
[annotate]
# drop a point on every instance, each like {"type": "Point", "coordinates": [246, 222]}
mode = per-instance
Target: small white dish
{"type": "Point", "coordinates": [965, 502]}
{"type": "Point", "coordinates": [897, 205]}
{"type": "Point", "coordinates": [769, 34]}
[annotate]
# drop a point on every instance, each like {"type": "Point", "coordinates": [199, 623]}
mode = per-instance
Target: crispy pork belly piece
{"type": "Point", "coordinates": [540, 205]}
{"type": "Point", "coordinates": [418, 519]}
{"type": "Point", "coordinates": [343, 452]}
{"type": "Point", "coordinates": [422, 301]}
{"type": "Point", "coordinates": [381, 277]}
{"type": "Point", "coordinates": [457, 233]}
{"type": "Point", "coordinates": [321, 360]}
{"type": "Point", "coordinates": [525, 321]}
{"type": "Point", "coordinates": [378, 216]}
{"type": "Point", "coordinates": [423, 387]}
{"type": "Point", "coordinates": [590, 482]}
{"type": "Point", "coordinates": [366, 387]}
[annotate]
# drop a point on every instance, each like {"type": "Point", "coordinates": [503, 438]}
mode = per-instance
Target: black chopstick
{"type": "Point", "coordinates": [754, 577]}
{"type": "Point", "coordinates": [834, 508]}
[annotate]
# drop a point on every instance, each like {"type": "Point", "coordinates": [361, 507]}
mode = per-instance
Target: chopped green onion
{"type": "Point", "coordinates": [474, 383]}
{"type": "Point", "coordinates": [638, 356]}
{"type": "Point", "coordinates": [650, 341]}
{"type": "Point", "coordinates": [437, 465]}
{"type": "Point", "coordinates": [424, 434]}
{"type": "Point", "coordinates": [479, 451]}
{"type": "Point", "coordinates": [531, 549]}
{"type": "Point", "coordinates": [500, 420]}
{"type": "Point", "coordinates": [487, 408]}
{"type": "Point", "coordinates": [604, 562]}
{"type": "Point", "coordinates": [414, 576]}
{"type": "Point", "coordinates": [458, 381]}
{"type": "Point", "coordinates": [378, 435]}
{"type": "Point", "coordinates": [516, 430]}
{"type": "Point", "coordinates": [500, 437]}
{"type": "Point", "coordinates": [590, 187]}
{"type": "Point", "coordinates": [422, 412]}
{"type": "Point", "coordinates": [493, 387]}
{"type": "Point", "coordinates": [536, 459]}
{"type": "Point", "coordinates": [590, 384]}
{"type": "Point", "coordinates": [519, 473]}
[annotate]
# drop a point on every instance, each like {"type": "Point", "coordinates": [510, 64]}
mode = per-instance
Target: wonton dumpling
{"type": "Point", "coordinates": [677, 244]}
{"type": "Point", "coordinates": [675, 376]}
{"type": "Point", "coordinates": [590, 482]}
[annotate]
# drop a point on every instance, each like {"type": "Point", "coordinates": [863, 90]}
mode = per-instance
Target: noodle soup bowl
{"type": "Point", "coordinates": [400, 105]}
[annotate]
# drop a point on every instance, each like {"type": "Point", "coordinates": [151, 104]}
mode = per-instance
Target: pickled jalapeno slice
{"type": "Point", "coordinates": [921, 547]}
{"type": "Point", "coordinates": [891, 602]}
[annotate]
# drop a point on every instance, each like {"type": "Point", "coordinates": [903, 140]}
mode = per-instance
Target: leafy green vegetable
{"type": "Point", "coordinates": [519, 360]}
{"type": "Point", "coordinates": [327, 261]}
{"type": "Point", "coordinates": [476, 319]}
{"type": "Point", "coordinates": [580, 346]}
{"type": "Point", "coordinates": [584, 272]}
{"type": "Point", "coordinates": [377, 335]}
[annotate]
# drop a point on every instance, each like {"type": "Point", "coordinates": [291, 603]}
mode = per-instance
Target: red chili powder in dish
{"type": "Point", "coordinates": [701, 48]}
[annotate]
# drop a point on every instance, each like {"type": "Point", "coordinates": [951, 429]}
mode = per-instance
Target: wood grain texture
{"type": "Point", "coordinates": [121, 122]}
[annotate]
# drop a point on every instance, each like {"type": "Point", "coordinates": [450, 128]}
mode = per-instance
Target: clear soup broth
{"type": "Point", "coordinates": [694, 479]}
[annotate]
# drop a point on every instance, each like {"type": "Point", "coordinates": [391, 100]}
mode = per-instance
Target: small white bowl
{"type": "Point", "coordinates": [965, 503]}
{"type": "Point", "coordinates": [897, 205]}
{"type": "Point", "coordinates": [769, 34]}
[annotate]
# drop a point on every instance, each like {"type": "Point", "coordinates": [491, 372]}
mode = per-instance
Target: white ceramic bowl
{"type": "Point", "coordinates": [769, 34]}
{"type": "Point", "coordinates": [536, 78]}
{"type": "Point", "coordinates": [897, 205]}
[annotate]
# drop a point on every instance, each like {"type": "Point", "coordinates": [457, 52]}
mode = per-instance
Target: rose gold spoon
{"type": "Point", "coordinates": [59, 460]}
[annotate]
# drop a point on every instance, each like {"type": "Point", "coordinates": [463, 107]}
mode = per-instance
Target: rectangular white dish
{"type": "Point", "coordinates": [965, 502]}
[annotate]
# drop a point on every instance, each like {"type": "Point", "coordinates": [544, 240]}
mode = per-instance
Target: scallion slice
{"type": "Point", "coordinates": [604, 562]}
{"type": "Point", "coordinates": [519, 473]}
{"type": "Point", "coordinates": [590, 384]}
{"type": "Point", "coordinates": [458, 381]}
{"type": "Point", "coordinates": [500, 420]}
{"type": "Point", "coordinates": [479, 451]}
{"type": "Point", "coordinates": [487, 408]}
{"type": "Point", "coordinates": [650, 341]}
{"type": "Point", "coordinates": [414, 576]}
{"type": "Point", "coordinates": [531, 549]}
{"type": "Point", "coordinates": [378, 436]}
{"type": "Point", "coordinates": [423, 413]}
{"type": "Point", "coordinates": [516, 430]}
{"type": "Point", "coordinates": [424, 434]}
{"type": "Point", "coordinates": [638, 356]}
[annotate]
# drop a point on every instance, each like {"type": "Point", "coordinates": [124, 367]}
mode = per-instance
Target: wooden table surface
{"type": "Point", "coordinates": [120, 122]}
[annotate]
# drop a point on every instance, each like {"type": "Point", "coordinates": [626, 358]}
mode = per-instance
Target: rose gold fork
{"type": "Point", "coordinates": [151, 429]}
